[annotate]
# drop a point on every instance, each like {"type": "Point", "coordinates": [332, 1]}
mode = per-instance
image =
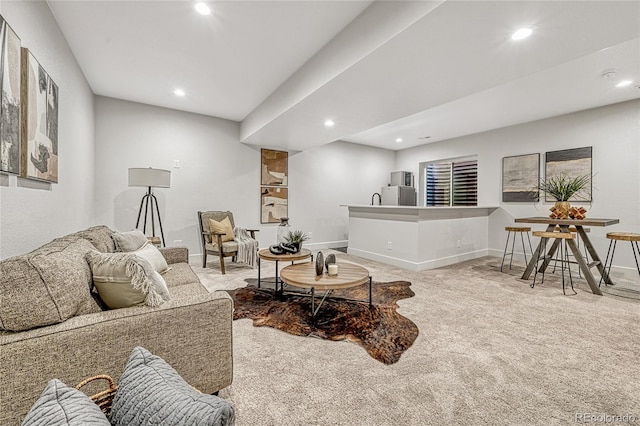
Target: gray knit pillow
{"type": "Point", "coordinates": [150, 391]}
{"type": "Point", "coordinates": [61, 405]}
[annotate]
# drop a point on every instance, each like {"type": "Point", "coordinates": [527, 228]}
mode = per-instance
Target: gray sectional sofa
{"type": "Point", "coordinates": [51, 326]}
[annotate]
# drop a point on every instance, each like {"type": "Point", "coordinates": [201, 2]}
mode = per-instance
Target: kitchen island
{"type": "Point", "coordinates": [418, 238]}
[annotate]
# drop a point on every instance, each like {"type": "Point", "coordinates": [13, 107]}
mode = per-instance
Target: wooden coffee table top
{"type": "Point", "coordinates": [304, 275]}
{"type": "Point", "coordinates": [267, 255]}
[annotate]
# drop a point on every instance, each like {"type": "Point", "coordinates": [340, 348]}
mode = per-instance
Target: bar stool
{"type": "Point", "coordinates": [545, 236]}
{"type": "Point", "coordinates": [574, 230]}
{"type": "Point", "coordinates": [634, 239]}
{"type": "Point", "coordinates": [516, 230]}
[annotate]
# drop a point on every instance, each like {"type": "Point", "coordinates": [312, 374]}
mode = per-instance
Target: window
{"type": "Point", "coordinates": [451, 183]}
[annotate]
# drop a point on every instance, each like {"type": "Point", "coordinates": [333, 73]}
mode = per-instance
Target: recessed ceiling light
{"type": "Point", "coordinates": [521, 33]}
{"type": "Point", "coordinates": [179, 92]}
{"type": "Point", "coordinates": [624, 83]}
{"type": "Point", "coordinates": [329, 123]}
{"type": "Point", "coordinates": [398, 140]}
{"type": "Point", "coordinates": [202, 8]}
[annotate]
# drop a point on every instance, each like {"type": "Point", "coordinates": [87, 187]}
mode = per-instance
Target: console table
{"type": "Point", "coordinates": [582, 262]}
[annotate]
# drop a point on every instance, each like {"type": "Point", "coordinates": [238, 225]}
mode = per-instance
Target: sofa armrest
{"type": "Point", "coordinates": [175, 254]}
{"type": "Point", "coordinates": [193, 334]}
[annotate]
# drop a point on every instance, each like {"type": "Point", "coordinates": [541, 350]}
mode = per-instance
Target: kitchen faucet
{"type": "Point", "coordinates": [379, 198]}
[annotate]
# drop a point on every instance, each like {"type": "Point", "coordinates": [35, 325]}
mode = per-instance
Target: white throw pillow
{"type": "Point", "coordinates": [151, 253]}
{"type": "Point", "coordinates": [130, 240]}
{"type": "Point", "coordinates": [125, 279]}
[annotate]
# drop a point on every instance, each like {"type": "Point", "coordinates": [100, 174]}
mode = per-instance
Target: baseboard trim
{"type": "Point", "coordinates": [418, 266]}
{"type": "Point", "coordinates": [197, 257]}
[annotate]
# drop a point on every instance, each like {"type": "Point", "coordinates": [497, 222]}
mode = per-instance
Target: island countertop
{"type": "Point", "coordinates": [417, 212]}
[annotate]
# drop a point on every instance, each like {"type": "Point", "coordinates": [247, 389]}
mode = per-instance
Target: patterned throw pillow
{"type": "Point", "coordinates": [125, 279]}
{"type": "Point", "coordinates": [224, 226]}
{"type": "Point", "coordinates": [150, 391]}
{"type": "Point", "coordinates": [60, 405]}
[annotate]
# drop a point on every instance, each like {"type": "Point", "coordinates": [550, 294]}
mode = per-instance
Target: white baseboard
{"type": "Point", "coordinates": [418, 266]}
{"type": "Point", "coordinates": [197, 257]}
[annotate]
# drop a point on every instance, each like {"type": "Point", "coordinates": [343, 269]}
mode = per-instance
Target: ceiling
{"type": "Point", "coordinates": [421, 71]}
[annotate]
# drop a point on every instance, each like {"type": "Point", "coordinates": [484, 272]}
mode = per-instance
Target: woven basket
{"type": "Point", "coordinates": [103, 399]}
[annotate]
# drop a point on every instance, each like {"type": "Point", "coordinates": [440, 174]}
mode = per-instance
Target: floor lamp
{"type": "Point", "coordinates": [151, 178]}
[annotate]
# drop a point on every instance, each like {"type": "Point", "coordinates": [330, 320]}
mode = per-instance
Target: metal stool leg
{"type": "Point", "coordinates": [524, 250]}
{"type": "Point", "coordinates": [513, 246]}
{"type": "Point", "coordinates": [505, 251]}
{"type": "Point", "coordinates": [608, 261]}
{"type": "Point", "coordinates": [566, 259]}
{"type": "Point", "coordinates": [635, 248]}
{"type": "Point", "coordinates": [542, 255]}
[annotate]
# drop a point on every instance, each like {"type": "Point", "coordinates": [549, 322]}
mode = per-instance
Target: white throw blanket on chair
{"type": "Point", "coordinates": [247, 247]}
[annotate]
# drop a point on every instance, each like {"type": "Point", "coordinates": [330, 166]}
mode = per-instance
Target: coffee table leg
{"type": "Point", "coordinates": [258, 271]}
{"type": "Point", "coordinates": [370, 304]}
{"type": "Point", "coordinates": [277, 279]}
{"type": "Point", "coordinates": [313, 305]}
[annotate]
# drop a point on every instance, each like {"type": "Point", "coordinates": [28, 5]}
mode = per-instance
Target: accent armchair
{"type": "Point", "coordinates": [213, 241]}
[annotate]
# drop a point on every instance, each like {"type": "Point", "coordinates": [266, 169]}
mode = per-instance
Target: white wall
{"type": "Point", "coordinates": [217, 172]}
{"type": "Point", "coordinates": [323, 178]}
{"type": "Point", "coordinates": [613, 132]}
{"type": "Point", "coordinates": [33, 213]}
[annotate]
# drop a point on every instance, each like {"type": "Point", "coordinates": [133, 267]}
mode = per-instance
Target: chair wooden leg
{"type": "Point", "coordinates": [222, 263]}
{"type": "Point", "coordinates": [204, 259]}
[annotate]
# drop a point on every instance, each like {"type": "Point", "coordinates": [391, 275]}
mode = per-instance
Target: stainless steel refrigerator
{"type": "Point", "coordinates": [398, 196]}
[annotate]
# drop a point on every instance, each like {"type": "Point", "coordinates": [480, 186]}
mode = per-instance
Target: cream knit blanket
{"type": "Point", "coordinates": [247, 247]}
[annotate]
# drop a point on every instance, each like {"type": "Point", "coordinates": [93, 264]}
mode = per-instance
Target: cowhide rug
{"type": "Point", "coordinates": [383, 332]}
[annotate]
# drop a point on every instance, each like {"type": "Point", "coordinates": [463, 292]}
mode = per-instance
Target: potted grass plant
{"type": "Point", "coordinates": [296, 238]}
{"type": "Point", "coordinates": [563, 188]}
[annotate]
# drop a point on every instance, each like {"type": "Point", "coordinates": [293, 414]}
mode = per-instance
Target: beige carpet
{"type": "Point", "coordinates": [491, 351]}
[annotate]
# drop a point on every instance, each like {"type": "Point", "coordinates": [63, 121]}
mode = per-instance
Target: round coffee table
{"type": "Point", "coordinates": [265, 254]}
{"type": "Point", "coordinates": [304, 276]}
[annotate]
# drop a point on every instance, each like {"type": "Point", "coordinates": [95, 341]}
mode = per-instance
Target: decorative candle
{"type": "Point", "coordinates": [333, 269]}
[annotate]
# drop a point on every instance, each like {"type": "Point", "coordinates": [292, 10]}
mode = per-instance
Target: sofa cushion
{"type": "Point", "coordinates": [125, 279]}
{"type": "Point", "coordinates": [46, 286]}
{"type": "Point", "coordinates": [60, 405]}
{"type": "Point", "coordinates": [179, 275]}
{"type": "Point", "coordinates": [129, 241]}
{"type": "Point", "coordinates": [99, 236]}
{"type": "Point", "coordinates": [150, 391]}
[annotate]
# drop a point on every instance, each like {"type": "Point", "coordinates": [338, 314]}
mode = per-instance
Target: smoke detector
{"type": "Point", "coordinates": [609, 73]}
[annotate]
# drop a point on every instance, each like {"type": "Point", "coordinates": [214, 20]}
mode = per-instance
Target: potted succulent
{"type": "Point", "coordinates": [296, 238]}
{"type": "Point", "coordinates": [563, 188]}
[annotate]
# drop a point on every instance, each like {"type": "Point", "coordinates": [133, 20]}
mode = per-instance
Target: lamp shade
{"type": "Point", "coordinates": [157, 178]}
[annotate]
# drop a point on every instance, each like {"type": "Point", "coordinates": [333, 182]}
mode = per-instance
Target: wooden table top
{"type": "Point", "coordinates": [574, 222]}
{"type": "Point", "coordinates": [304, 275]}
{"type": "Point", "coordinates": [267, 255]}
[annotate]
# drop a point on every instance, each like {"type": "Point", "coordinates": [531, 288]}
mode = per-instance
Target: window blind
{"type": "Point", "coordinates": [452, 183]}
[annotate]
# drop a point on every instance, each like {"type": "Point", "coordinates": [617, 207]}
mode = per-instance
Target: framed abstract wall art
{"type": "Point", "coordinates": [10, 83]}
{"type": "Point", "coordinates": [274, 167]}
{"type": "Point", "coordinates": [273, 204]}
{"type": "Point", "coordinates": [570, 163]}
{"type": "Point", "coordinates": [520, 175]}
{"type": "Point", "coordinates": [39, 121]}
